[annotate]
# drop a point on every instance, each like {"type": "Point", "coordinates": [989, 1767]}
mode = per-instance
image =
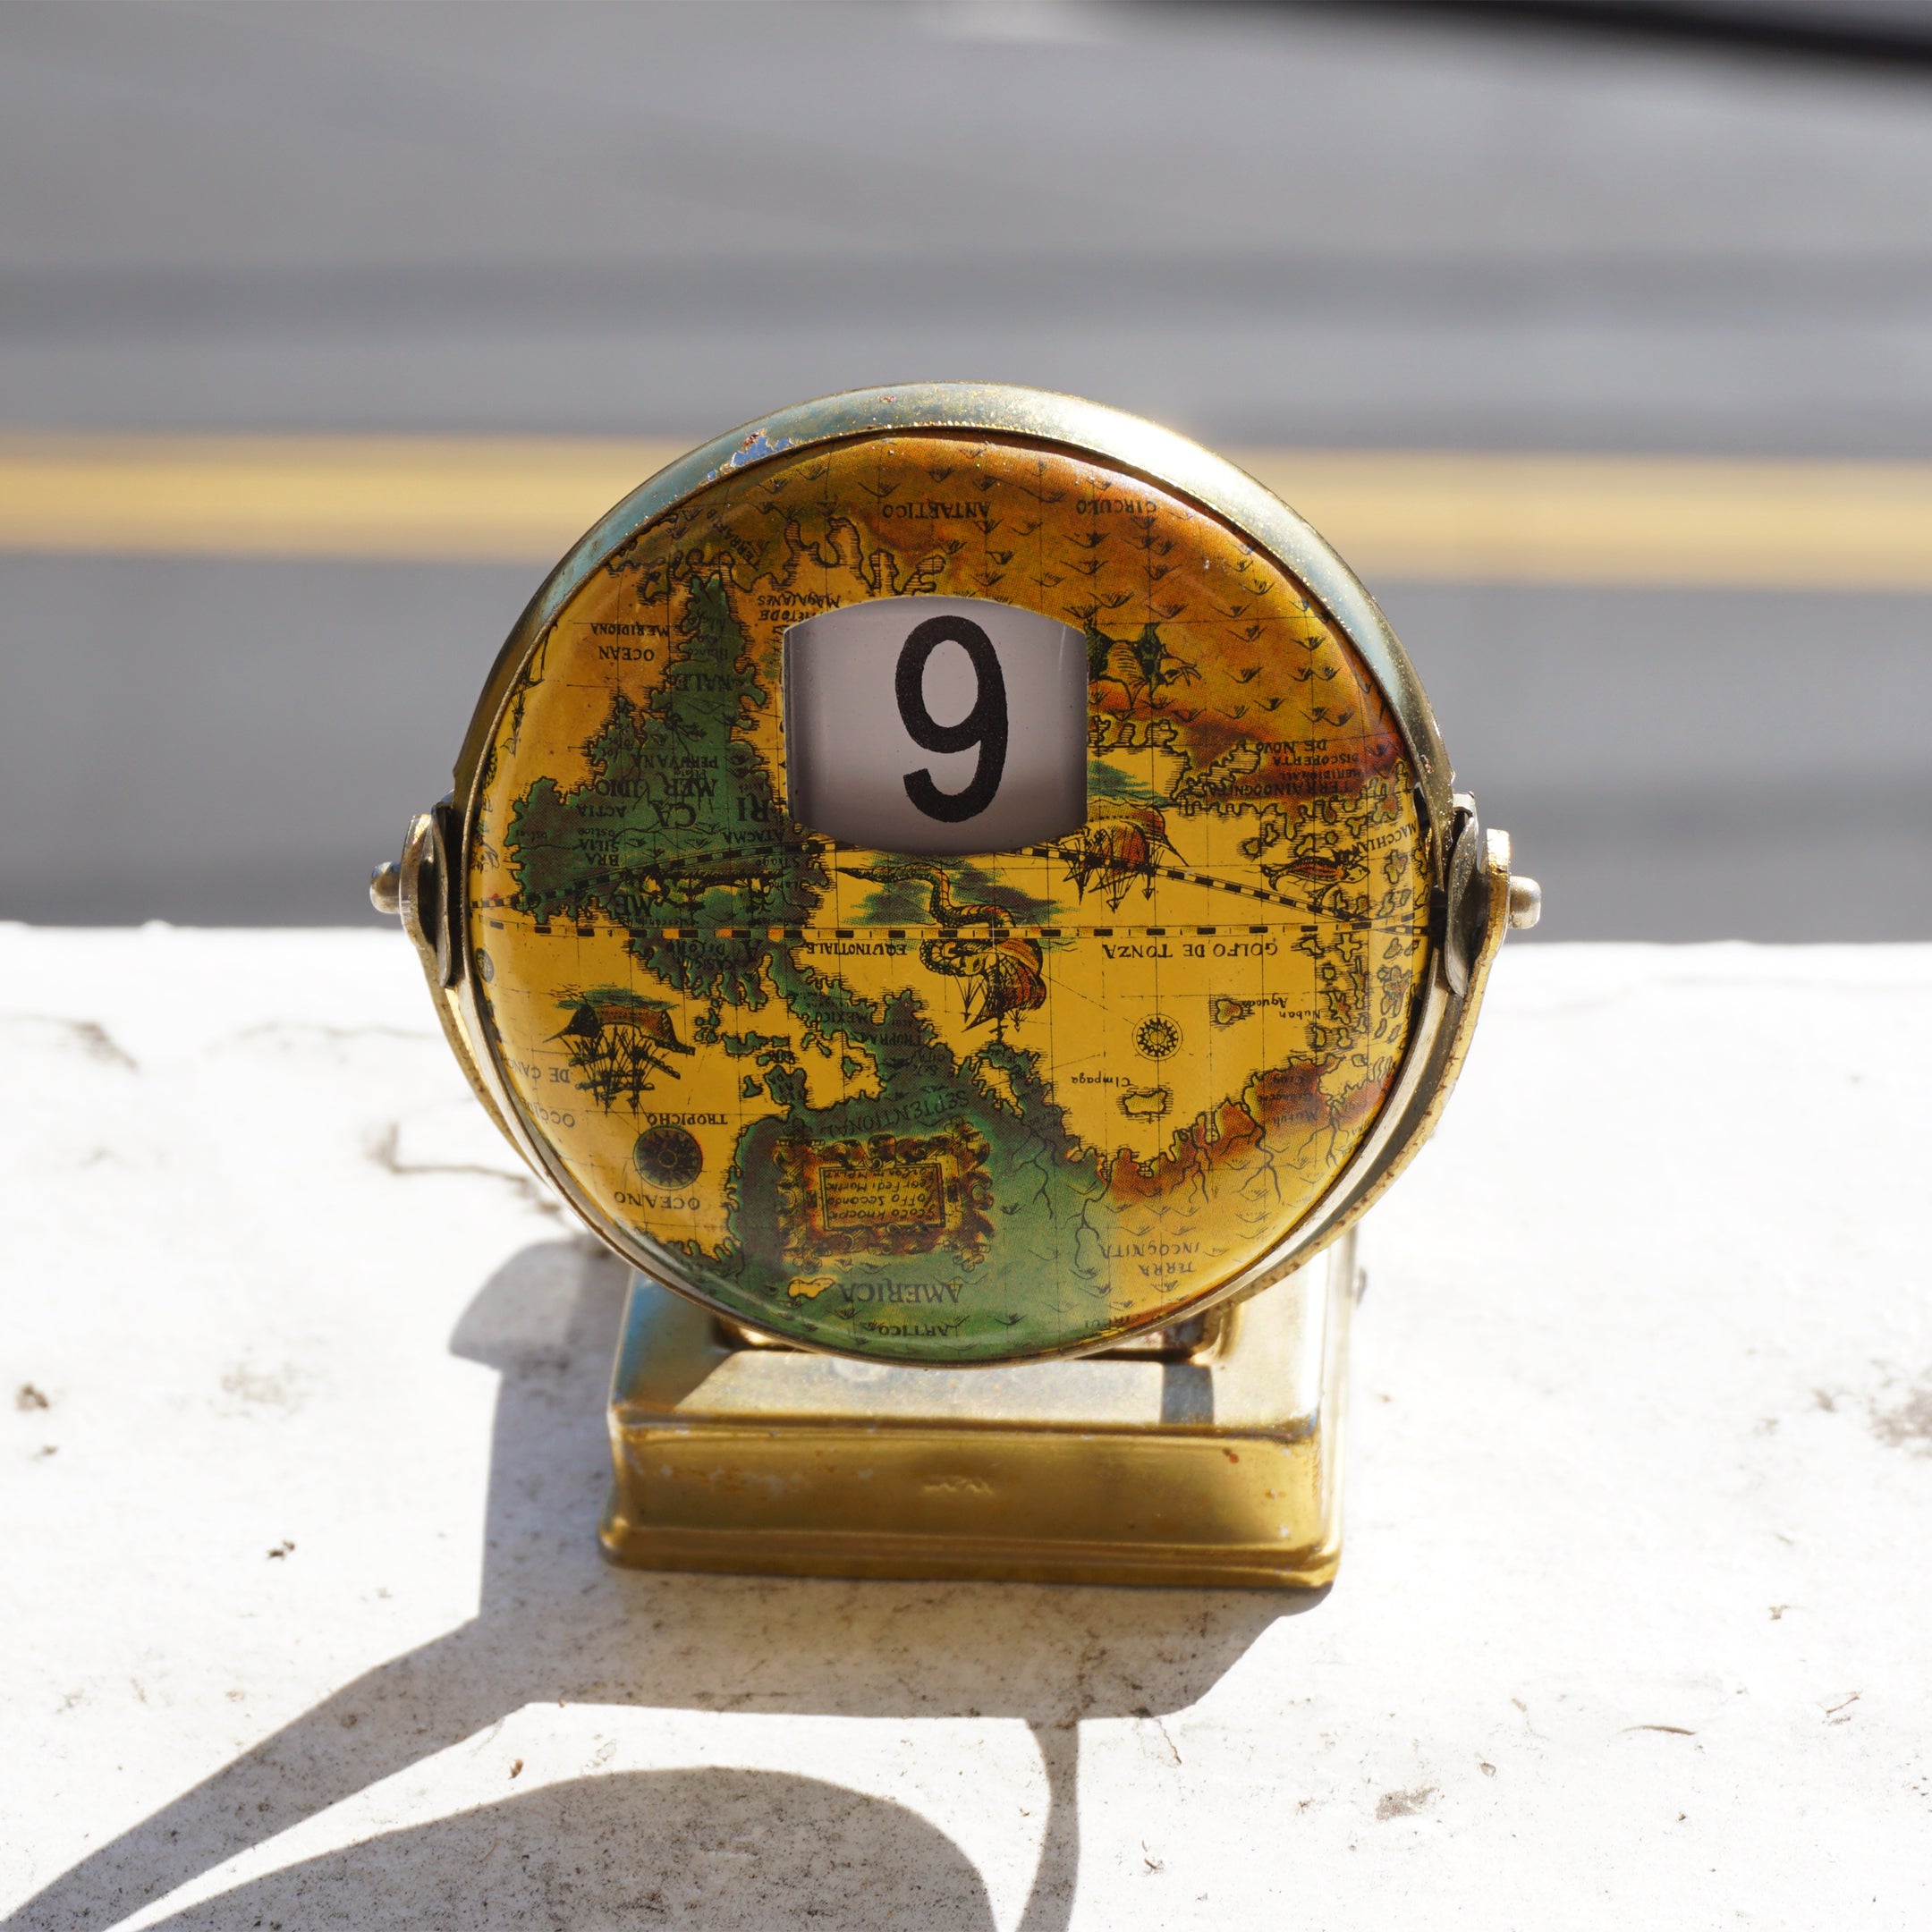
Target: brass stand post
{"type": "Point", "coordinates": [1207, 1455]}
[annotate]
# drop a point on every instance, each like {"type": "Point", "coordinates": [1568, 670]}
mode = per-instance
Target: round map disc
{"type": "Point", "coordinates": [914, 1099]}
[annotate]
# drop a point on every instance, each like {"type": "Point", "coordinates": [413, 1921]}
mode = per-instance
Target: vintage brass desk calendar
{"type": "Point", "coordinates": [962, 890]}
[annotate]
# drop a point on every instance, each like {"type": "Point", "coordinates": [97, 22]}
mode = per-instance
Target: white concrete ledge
{"type": "Point", "coordinates": [305, 1626]}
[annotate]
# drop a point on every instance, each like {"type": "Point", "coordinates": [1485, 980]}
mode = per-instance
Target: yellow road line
{"type": "Point", "coordinates": [420, 498]}
{"type": "Point", "coordinates": [1503, 518]}
{"type": "Point", "coordinates": [1616, 520]}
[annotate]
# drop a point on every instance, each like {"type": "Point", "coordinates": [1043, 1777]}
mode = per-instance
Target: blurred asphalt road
{"type": "Point", "coordinates": [1262, 223]}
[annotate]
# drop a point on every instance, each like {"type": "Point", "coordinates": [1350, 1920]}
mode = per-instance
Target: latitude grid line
{"type": "Point", "coordinates": [1179, 875]}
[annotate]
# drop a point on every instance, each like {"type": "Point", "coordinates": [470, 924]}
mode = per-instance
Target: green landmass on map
{"type": "Point", "coordinates": [679, 824]}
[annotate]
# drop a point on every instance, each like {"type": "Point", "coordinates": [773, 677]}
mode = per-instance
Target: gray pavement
{"type": "Point", "coordinates": [1260, 224]}
{"type": "Point", "coordinates": [238, 744]}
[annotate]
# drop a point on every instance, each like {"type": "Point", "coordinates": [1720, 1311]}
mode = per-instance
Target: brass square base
{"type": "Point", "coordinates": [1206, 1455]}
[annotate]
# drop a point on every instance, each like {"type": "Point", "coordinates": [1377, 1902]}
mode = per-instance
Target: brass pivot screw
{"type": "Point", "coordinates": [386, 889]}
{"type": "Point", "coordinates": [1525, 903]}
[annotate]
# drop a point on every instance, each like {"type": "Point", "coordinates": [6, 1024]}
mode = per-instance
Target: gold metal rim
{"type": "Point", "coordinates": [1439, 1031]}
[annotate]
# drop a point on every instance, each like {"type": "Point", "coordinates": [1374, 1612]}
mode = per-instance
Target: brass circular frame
{"type": "Point", "coordinates": [435, 865]}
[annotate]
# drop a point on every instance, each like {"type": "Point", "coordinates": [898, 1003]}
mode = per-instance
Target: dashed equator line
{"type": "Point", "coordinates": [688, 865]}
{"type": "Point", "coordinates": [965, 929]}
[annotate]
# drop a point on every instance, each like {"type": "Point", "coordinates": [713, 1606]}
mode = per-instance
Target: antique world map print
{"type": "Point", "coordinates": [956, 1109]}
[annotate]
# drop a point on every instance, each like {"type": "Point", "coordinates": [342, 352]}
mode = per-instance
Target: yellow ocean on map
{"type": "Point", "coordinates": [970, 1109]}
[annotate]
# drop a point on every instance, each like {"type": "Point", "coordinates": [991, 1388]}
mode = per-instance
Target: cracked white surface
{"type": "Point", "coordinates": [305, 1624]}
